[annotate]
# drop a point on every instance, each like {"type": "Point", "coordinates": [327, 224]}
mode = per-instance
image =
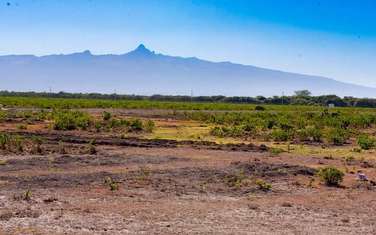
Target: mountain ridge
{"type": "Point", "coordinates": [142, 71]}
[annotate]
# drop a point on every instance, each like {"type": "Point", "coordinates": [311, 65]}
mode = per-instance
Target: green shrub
{"type": "Point", "coordinates": [27, 195]}
{"type": "Point", "coordinates": [114, 186]}
{"type": "Point", "coordinates": [234, 131]}
{"type": "Point", "coordinates": [285, 123]}
{"type": "Point", "coordinates": [83, 121]}
{"type": "Point", "coordinates": [349, 159]}
{"type": "Point", "coordinates": [132, 125]}
{"type": "Point", "coordinates": [135, 125]}
{"type": "Point", "coordinates": [302, 135]}
{"type": "Point", "coordinates": [118, 123]}
{"type": "Point", "coordinates": [106, 116]}
{"type": "Point", "coordinates": [217, 131]}
{"type": "Point", "coordinates": [309, 133]}
{"type": "Point", "coordinates": [331, 176]}
{"type": "Point", "coordinates": [259, 108]}
{"type": "Point", "coordinates": [262, 185]}
{"type": "Point", "coordinates": [149, 126]}
{"type": "Point", "coordinates": [280, 135]}
{"type": "Point", "coordinates": [98, 126]}
{"type": "Point", "coordinates": [244, 131]}
{"type": "Point", "coordinates": [11, 142]}
{"type": "Point", "coordinates": [3, 116]}
{"type": "Point", "coordinates": [276, 151]}
{"type": "Point", "coordinates": [18, 142]}
{"type": "Point", "coordinates": [249, 129]}
{"type": "Point", "coordinates": [236, 180]}
{"type": "Point", "coordinates": [314, 133]}
{"type": "Point", "coordinates": [4, 140]}
{"type": "Point", "coordinates": [71, 120]}
{"type": "Point", "coordinates": [337, 136]}
{"type": "Point", "coordinates": [365, 142]}
{"type": "Point", "coordinates": [269, 123]}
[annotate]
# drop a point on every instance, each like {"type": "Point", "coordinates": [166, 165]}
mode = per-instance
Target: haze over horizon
{"type": "Point", "coordinates": [333, 39]}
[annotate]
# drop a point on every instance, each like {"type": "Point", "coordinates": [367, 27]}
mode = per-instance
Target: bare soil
{"type": "Point", "coordinates": [175, 187]}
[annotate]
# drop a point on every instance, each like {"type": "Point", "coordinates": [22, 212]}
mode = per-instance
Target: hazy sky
{"type": "Point", "coordinates": [333, 38]}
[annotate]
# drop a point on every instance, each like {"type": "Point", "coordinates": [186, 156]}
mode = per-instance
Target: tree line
{"type": "Point", "coordinates": [303, 97]}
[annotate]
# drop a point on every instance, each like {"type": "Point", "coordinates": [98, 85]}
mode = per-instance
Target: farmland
{"type": "Point", "coordinates": [84, 166]}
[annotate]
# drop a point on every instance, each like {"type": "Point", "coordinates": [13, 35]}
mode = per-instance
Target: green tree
{"type": "Point", "coordinates": [303, 93]}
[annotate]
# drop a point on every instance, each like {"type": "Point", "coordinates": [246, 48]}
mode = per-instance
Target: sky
{"type": "Point", "coordinates": [331, 38]}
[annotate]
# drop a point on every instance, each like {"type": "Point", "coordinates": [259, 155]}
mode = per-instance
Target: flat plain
{"type": "Point", "coordinates": [87, 167]}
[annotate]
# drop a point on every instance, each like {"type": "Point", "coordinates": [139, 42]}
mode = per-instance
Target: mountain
{"type": "Point", "coordinates": [142, 71]}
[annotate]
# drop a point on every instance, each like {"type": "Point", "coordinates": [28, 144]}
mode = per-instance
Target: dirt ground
{"type": "Point", "coordinates": [146, 186]}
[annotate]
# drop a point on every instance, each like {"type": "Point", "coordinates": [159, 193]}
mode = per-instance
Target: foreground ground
{"type": "Point", "coordinates": [134, 185]}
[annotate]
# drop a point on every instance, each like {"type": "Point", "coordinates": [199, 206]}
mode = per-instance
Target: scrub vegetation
{"type": "Point", "coordinates": [77, 158]}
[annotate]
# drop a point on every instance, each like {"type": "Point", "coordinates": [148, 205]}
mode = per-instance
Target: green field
{"type": "Point", "coordinates": [69, 103]}
{"type": "Point", "coordinates": [73, 103]}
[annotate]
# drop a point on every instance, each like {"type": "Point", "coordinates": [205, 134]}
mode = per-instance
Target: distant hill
{"type": "Point", "coordinates": [144, 72]}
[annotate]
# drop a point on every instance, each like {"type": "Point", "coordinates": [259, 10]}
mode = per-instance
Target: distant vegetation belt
{"type": "Point", "coordinates": [96, 100]}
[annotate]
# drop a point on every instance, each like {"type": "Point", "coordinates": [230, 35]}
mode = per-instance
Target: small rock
{"type": "Point", "coordinates": [253, 206]}
{"type": "Point", "coordinates": [6, 216]}
{"type": "Point", "coordinates": [50, 200]}
{"type": "Point", "coordinates": [286, 204]}
{"type": "Point", "coordinates": [345, 220]}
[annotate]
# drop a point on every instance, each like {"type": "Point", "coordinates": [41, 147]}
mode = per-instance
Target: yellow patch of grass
{"type": "Point", "coordinates": [333, 151]}
{"type": "Point", "coordinates": [187, 130]}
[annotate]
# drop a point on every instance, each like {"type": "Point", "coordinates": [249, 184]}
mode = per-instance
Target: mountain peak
{"type": "Point", "coordinates": [141, 47]}
{"type": "Point", "coordinates": [86, 52]}
{"type": "Point", "coordinates": [141, 50]}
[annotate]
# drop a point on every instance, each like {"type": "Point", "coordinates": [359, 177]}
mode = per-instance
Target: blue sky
{"type": "Point", "coordinates": [333, 38]}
